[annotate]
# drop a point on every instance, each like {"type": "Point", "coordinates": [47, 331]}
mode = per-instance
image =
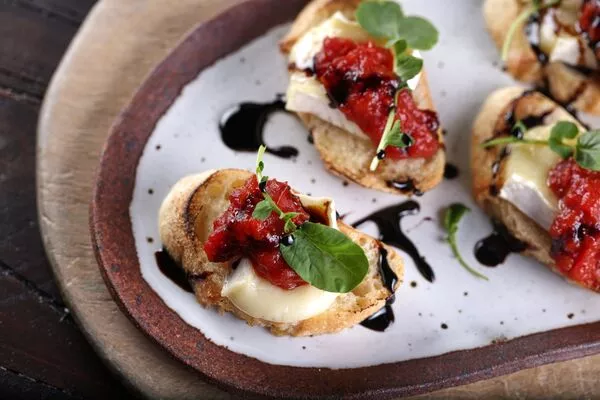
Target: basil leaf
{"type": "Point", "coordinates": [407, 66]}
{"type": "Point", "coordinates": [418, 32]}
{"type": "Point", "coordinates": [587, 153]}
{"type": "Point", "coordinates": [263, 210]}
{"type": "Point", "coordinates": [326, 258]}
{"type": "Point", "coordinates": [399, 46]}
{"type": "Point", "coordinates": [452, 217]}
{"type": "Point", "coordinates": [379, 18]}
{"type": "Point", "coordinates": [562, 130]}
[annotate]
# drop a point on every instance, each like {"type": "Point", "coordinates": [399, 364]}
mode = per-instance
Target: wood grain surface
{"type": "Point", "coordinates": [43, 355]}
{"type": "Point", "coordinates": [118, 45]}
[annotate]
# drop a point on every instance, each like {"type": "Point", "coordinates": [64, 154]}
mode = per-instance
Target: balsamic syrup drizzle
{"type": "Point", "coordinates": [382, 319]}
{"type": "Point", "coordinates": [450, 171]}
{"type": "Point", "coordinates": [171, 270]}
{"type": "Point", "coordinates": [388, 221]}
{"type": "Point", "coordinates": [242, 127]}
{"type": "Point", "coordinates": [492, 251]}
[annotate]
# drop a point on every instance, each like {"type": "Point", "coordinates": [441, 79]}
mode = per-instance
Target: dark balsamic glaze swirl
{"type": "Point", "coordinates": [171, 270]}
{"type": "Point", "coordinates": [450, 171]}
{"type": "Point", "coordinates": [242, 127]}
{"type": "Point", "coordinates": [388, 221]}
{"type": "Point", "coordinates": [384, 317]}
{"type": "Point", "coordinates": [492, 250]}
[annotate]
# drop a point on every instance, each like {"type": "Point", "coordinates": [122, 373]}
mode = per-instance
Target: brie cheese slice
{"type": "Point", "coordinates": [525, 176]}
{"type": "Point", "coordinates": [259, 298]}
{"type": "Point", "coordinates": [305, 94]}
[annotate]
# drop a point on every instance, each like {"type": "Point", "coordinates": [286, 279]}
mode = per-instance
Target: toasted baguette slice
{"type": "Point", "coordinates": [566, 85]}
{"type": "Point", "coordinates": [489, 121]}
{"type": "Point", "coordinates": [186, 220]}
{"type": "Point", "coordinates": [348, 155]}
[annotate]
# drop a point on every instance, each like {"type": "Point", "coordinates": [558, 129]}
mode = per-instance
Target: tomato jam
{"type": "Point", "coordinates": [237, 234]}
{"type": "Point", "coordinates": [576, 231]}
{"type": "Point", "coordinates": [359, 79]}
{"type": "Point", "coordinates": [589, 24]}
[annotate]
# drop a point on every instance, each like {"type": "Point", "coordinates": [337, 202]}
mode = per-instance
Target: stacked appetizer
{"type": "Point", "coordinates": [535, 170]}
{"type": "Point", "coordinates": [356, 81]}
{"type": "Point", "coordinates": [274, 257]}
{"type": "Point", "coordinates": [553, 43]}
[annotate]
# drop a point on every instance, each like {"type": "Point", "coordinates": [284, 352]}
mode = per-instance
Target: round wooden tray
{"type": "Point", "coordinates": [117, 47]}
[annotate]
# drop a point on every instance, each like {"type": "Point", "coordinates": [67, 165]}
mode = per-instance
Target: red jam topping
{"type": "Point", "coordinates": [589, 23]}
{"type": "Point", "coordinates": [360, 81]}
{"type": "Point", "coordinates": [236, 234]}
{"type": "Point", "coordinates": [576, 231]}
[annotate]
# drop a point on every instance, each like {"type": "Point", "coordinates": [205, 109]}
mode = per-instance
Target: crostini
{"type": "Point", "coordinates": [274, 257]}
{"type": "Point", "coordinates": [535, 170]}
{"type": "Point", "coordinates": [356, 82]}
{"type": "Point", "coordinates": [551, 43]}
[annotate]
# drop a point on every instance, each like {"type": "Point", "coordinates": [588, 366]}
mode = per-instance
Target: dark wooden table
{"type": "Point", "coordinates": [43, 355]}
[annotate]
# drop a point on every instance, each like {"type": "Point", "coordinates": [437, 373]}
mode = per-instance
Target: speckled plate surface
{"type": "Point", "coordinates": [453, 331]}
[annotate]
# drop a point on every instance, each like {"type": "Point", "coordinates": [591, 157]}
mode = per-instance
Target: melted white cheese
{"type": "Point", "coordinates": [260, 299]}
{"type": "Point", "coordinates": [525, 178]}
{"type": "Point", "coordinates": [305, 94]}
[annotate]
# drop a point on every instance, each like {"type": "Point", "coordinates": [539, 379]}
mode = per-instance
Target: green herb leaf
{"type": "Point", "coordinates": [263, 210]}
{"type": "Point", "coordinates": [399, 46]}
{"type": "Point", "coordinates": [326, 258]}
{"type": "Point", "coordinates": [392, 135]}
{"type": "Point", "coordinates": [407, 67]}
{"type": "Point", "coordinates": [260, 165]}
{"type": "Point", "coordinates": [380, 18]}
{"type": "Point", "coordinates": [562, 130]}
{"type": "Point", "coordinates": [587, 153]}
{"type": "Point", "coordinates": [418, 32]}
{"type": "Point", "coordinates": [289, 226]}
{"type": "Point", "coordinates": [452, 217]}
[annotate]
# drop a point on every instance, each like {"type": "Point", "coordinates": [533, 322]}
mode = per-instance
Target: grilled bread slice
{"type": "Point", "coordinates": [349, 155]}
{"type": "Point", "coordinates": [567, 85]}
{"type": "Point", "coordinates": [186, 220]}
{"type": "Point", "coordinates": [489, 122]}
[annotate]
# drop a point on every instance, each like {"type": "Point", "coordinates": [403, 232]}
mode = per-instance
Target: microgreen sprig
{"type": "Point", "coordinates": [452, 217]}
{"type": "Point", "coordinates": [267, 206]}
{"type": "Point", "coordinates": [535, 7]}
{"type": "Point", "coordinates": [392, 136]}
{"type": "Point", "coordinates": [585, 150]}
